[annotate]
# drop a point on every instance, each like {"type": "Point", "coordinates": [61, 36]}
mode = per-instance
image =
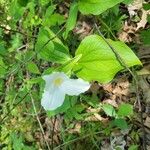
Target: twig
{"type": "Point", "coordinates": [123, 63]}
{"type": "Point", "coordinates": [41, 128]}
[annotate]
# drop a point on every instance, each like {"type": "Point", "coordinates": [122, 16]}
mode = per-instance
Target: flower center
{"type": "Point", "coordinates": [58, 81]}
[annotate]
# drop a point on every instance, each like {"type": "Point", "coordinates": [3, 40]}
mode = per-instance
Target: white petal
{"type": "Point", "coordinates": [52, 99]}
{"type": "Point", "coordinates": [75, 86]}
{"type": "Point", "coordinates": [50, 78]}
{"type": "Point", "coordinates": [48, 81]}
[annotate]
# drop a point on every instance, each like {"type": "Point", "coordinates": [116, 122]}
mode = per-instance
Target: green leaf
{"type": "Point", "coordinates": [23, 3]}
{"type": "Point", "coordinates": [120, 123]}
{"type": "Point", "coordinates": [96, 7]}
{"type": "Point", "coordinates": [32, 67]}
{"type": "Point", "coordinates": [127, 1]}
{"type": "Point", "coordinates": [15, 43]}
{"type": "Point", "coordinates": [17, 141]}
{"type": "Point", "coordinates": [98, 61]}
{"type": "Point", "coordinates": [145, 36]}
{"type": "Point", "coordinates": [68, 66]}
{"type": "Point", "coordinates": [44, 2]}
{"type": "Point", "coordinates": [3, 68]}
{"type": "Point", "coordinates": [50, 48]}
{"type": "Point", "coordinates": [109, 110]}
{"type": "Point", "coordinates": [68, 102]}
{"type": "Point", "coordinates": [46, 18]}
{"type": "Point", "coordinates": [146, 6]}
{"type": "Point", "coordinates": [75, 112]}
{"type": "Point", "coordinates": [72, 18]}
{"type": "Point", "coordinates": [3, 50]}
{"type": "Point", "coordinates": [54, 19]}
{"type": "Point", "coordinates": [133, 147]}
{"type": "Point", "coordinates": [15, 10]}
{"type": "Point", "coordinates": [125, 110]}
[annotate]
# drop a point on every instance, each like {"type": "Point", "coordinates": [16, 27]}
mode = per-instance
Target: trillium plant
{"type": "Point", "coordinates": [58, 84]}
{"type": "Point", "coordinates": [94, 61]}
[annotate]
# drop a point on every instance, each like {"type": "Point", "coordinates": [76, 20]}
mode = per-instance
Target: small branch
{"type": "Point", "coordinates": [41, 128]}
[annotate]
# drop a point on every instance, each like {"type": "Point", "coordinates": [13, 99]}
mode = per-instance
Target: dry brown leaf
{"type": "Point", "coordinates": [93, 110]}
{"type": "Point", "coordinates": [143, 20]}
{"type": "Point", "coordinates": [94, 87]}
{"type": "Point", "coordinates": [76, 129]}
{"type": "Point", "coordinates": [127, 31]}
{"type": "Point", "coordinates": [96, 117]}
{"type": "Point", "coordinates": [136, 5]}
{"type": "Point", "coordinates": [111, 102]}
{"type": "Point", "coordinates": [83, 29]}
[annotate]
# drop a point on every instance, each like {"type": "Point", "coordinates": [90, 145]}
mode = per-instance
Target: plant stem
{"type": "Point", "coordinates": [37, 117]}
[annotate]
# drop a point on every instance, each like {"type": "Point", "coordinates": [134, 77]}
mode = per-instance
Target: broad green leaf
{"type": "Point", "coordinates": [50, 48]}
{"type": "Point", "coordinates": [120, 123]}
{"type": "Point", "coordinates": [125, 110]}
{"type": "Point", "coordinates": [32, 67]}
{"type": "Point", "coordinates": [96, 7]}
{"type": "Point", "coordinates": [72, 18]}
{"type": "Point", "coordinates": [109, 110]}
{"type": "Point", "coordinates": [98, 61]}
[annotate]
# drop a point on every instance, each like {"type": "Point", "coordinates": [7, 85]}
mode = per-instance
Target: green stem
{"type": "Point", "coordinates": [104, 24]}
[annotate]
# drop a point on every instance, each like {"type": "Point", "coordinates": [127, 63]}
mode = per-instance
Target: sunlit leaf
{"type": "Point", "coordinates": [98, 61]}
{"type": "Point", "coordinates": [32, 67]}
{"type": "Point", "coordinates": [96, 7]}
{"type": "Point", "coordinates": [71, 21]}
{"type": "Point", "coordinates": [109, 110]}
{"type": "Point", "coordinates": [125, 110]}
{"type": "Point", "coordinates": [50, 48]}
{"type": "Point", "coordinates": [120, 123]}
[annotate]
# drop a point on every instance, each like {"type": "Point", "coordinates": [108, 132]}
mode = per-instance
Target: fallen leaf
{"type": "Point", "coordinates": [143, 20]}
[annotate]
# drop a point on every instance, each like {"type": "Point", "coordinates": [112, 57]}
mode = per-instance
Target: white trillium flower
{"type": "Point", "coordinates": [57, 86]}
